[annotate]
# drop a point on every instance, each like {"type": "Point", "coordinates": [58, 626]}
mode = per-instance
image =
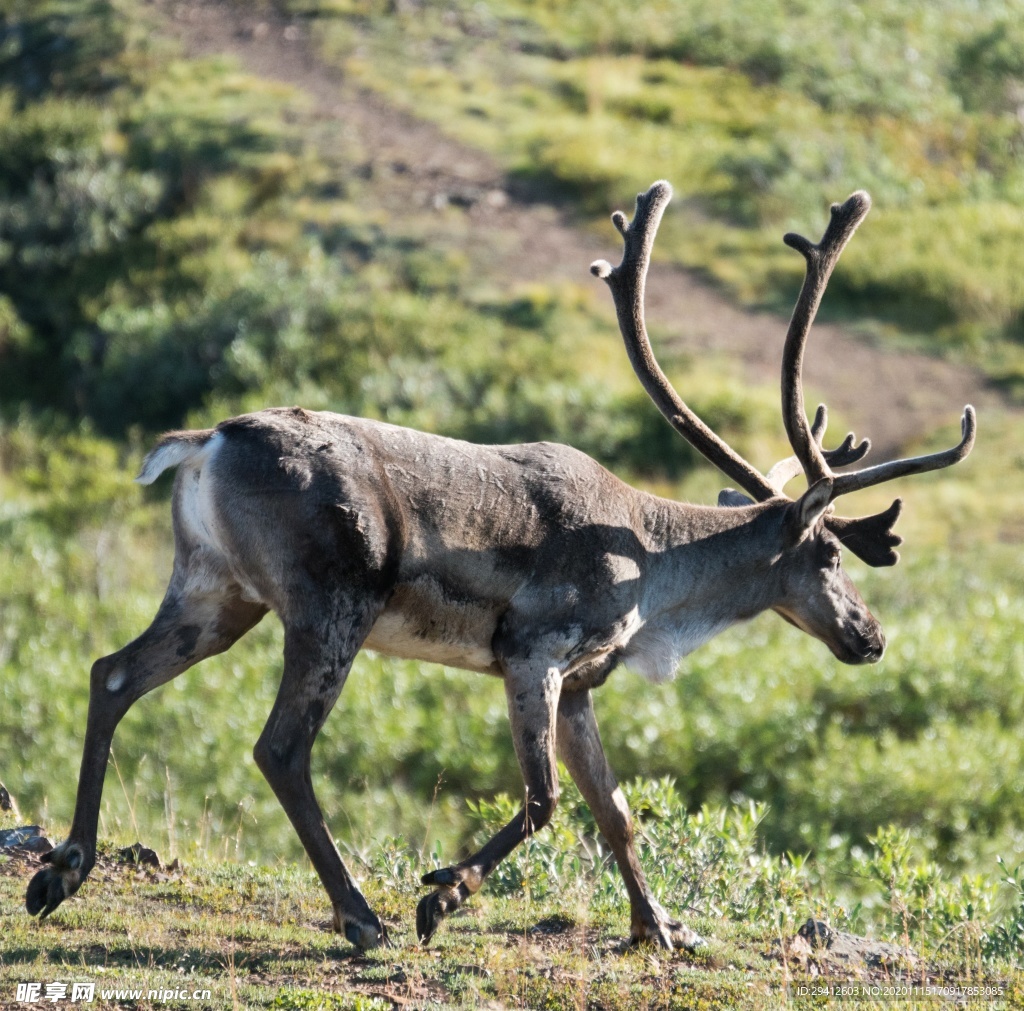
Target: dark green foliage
{"type": "Point", "coordinates": [103, 215]}
{"type": "Point", "coordinates": [72, 47]}
{"type": "Point", "coordinates": [990, 68]}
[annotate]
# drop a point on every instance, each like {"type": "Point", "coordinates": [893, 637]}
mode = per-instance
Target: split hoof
{"type": "Point", "coordinates": [52, 885]}
{"type": "Point", "coordinates": [433, 908]}
{"type": "Point", "coordinates": [363, 933]}
{"type": "Point", "coordinates": [363, 929]}
{"type": "Point", "coordinates": [670, 935]}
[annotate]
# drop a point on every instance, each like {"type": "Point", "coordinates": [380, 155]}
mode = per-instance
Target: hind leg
{"type": "Point", "coordinates": [197, 619]}
{"type": "Point", "coordinates": [318, 652]}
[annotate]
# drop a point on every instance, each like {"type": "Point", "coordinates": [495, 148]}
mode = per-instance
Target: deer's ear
{"type": "Point", "coordinates": [733, 499]}
{"type": "Point", "coordinates": [807, 510]}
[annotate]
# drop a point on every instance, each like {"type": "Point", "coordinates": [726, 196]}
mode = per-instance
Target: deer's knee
{"type": "Point", "coordinates": [113, 688]}
{"type": "Point", "coordinates": [267, 760]}
{"type": "Point", "coordinates": [277, 757]}
{"type": "Point", "coordinates": [109, 674]}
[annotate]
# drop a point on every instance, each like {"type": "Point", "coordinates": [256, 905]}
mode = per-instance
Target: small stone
{"type": "Point", "coordinates": [27, 839]}
{"type": "Point", "coordinates": [139, 854]}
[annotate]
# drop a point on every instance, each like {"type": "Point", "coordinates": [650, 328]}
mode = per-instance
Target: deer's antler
{"type": "Point", "coordinates": [627, 285]}
{"type": "Point", "coordinates": [870, 537]}
{"type": "Point", "coordinates": [821, 258]}
{"type": "Point", "coordinates": [844, 454]}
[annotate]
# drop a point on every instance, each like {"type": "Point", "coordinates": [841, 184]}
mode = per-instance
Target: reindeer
{"type": "Point", "coordinates": [530, 562]}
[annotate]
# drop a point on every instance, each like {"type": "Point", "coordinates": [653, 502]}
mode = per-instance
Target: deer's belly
{"type": "Point", "coordinates": [424, 622]}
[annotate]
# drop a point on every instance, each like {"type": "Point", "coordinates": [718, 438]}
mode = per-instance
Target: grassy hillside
{"type": "Point", "coordinates": [760, 114]}
{"type": "Point", "coordinates": [180, 241]}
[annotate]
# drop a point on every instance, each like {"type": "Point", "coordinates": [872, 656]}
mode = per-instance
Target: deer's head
{"type": "Point", "coordinates": [814, 592]}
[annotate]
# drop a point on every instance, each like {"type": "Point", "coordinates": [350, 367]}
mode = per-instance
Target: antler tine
{"type": "Point", "coordinates": [845, 453]}
{"type": "Point", "coordinates": [855, 480]}
{"type": "Point", "coordinates": [821, 259]}
{"type": "Point", "coordinates": [626, 282]}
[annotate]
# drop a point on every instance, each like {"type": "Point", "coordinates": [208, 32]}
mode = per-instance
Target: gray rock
{"type": "Point", "coordinates": [27, 839]}
{"type": "Point", "coordinates": [840, 946]}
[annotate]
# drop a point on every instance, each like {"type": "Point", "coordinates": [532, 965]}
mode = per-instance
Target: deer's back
{"type": "Point", "coordinates": [456, 535]}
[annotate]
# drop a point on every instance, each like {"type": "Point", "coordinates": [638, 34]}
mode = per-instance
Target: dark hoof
{"type": "Point", "coordinates": [53, 884]}
{"type": "Point", "coordinates": [672, 936]}
{"type": "Point", "coordinates": [442, 876]}
{"type": "Point", "coordinates": [366, 934]}
{"type": "Point", "coordinates": [433, 908]}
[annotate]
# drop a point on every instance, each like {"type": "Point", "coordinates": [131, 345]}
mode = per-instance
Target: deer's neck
{"type": "Point", "coordinates": [709, 568]}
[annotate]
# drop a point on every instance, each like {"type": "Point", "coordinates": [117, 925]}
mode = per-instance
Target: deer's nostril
{"type": "Point", "coordinates": [874, 643]}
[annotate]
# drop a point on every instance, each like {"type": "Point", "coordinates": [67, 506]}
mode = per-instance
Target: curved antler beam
{"type": "Point", "coordinates": [821, 260]}
{"type": "Point", "coordinates": [626, 282]}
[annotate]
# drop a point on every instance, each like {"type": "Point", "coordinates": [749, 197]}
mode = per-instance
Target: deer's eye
{"type": "Point", "coordinates": [834, 556]}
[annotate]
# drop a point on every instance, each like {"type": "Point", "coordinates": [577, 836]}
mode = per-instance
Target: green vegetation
{"type": "Point", "coordinates": [927, 739]}
{"type": "Point", "coordinates": [760, 114]}
{"type": "Point", "coordinates": [178, 247]}
{"type": "Point", "coordinates": [180, 241]}
{"type": "Point", "coordinates": [546, 932]}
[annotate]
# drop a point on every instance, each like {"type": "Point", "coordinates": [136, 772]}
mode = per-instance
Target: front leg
{"type": "Point", "coordinates": [579, 746]}
{"type": "Point", "coordinates": [532, 691]}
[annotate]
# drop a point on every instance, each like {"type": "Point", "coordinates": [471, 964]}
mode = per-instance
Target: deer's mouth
{"type": "Point", "coordinates": [860, 647]}
{"type": "Point", "coordinates": [855, 646]}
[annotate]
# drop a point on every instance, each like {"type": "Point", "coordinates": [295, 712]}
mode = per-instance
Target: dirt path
{"type": "Point", "coordinates": [892, 397]}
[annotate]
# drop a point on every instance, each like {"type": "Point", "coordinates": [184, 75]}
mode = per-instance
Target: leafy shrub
{"type": "Point", "coordinates": [1006, 939]}
{"type": "Point", "coordinates": [990, 68]}
{"type": "Point", "coordinates": [63, 47]}
{"type": "Point", "coordinates": [710, 862]}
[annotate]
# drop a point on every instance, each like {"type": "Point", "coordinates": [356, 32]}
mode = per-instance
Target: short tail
{"type": "Point", "coordinates": [173, 449]}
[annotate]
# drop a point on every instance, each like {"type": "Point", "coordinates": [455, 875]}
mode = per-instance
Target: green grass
{"type": "Point", "coordinates": [546, 931]}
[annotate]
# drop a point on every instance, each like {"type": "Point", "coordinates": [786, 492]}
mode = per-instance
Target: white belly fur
{"type": "Point", "coordinates": [421, 623]}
